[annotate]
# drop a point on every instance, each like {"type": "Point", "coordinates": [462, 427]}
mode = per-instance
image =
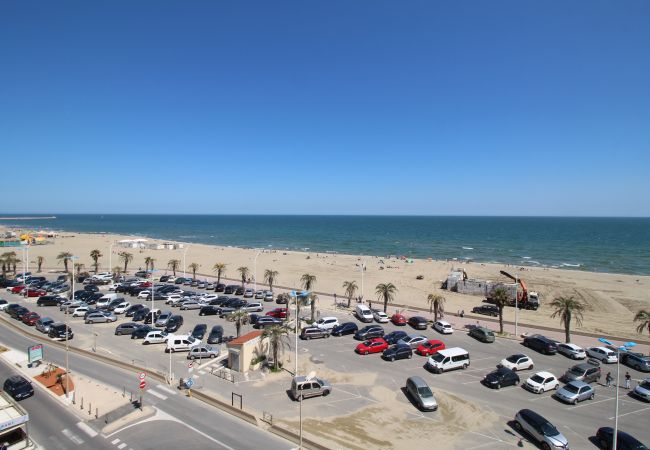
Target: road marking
{"type": "Point", "coordinates": [73, 437]}
{"type": "Point", "coordinates": [473, 381]}
{"type": "Point", "coordinates": [115, 441]}
{"type": "Point", "coordinates": [86, 429]}
{"type": "Point", "coordinates": [121, 446]}
{"type": "Point", "coordinates": [631, 412]}
{"type": "Point", "coordinates": [156, 394]}
{"type": "Point", "coordinates": [541, 397]}
{"type": "Point", "coordinates": [587, 403]}
{"type": "Point", "coordinates": [165, 389]}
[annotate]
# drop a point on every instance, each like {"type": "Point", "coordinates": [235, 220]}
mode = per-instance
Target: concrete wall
{"type": "Point", "coordinates": [478, 287]}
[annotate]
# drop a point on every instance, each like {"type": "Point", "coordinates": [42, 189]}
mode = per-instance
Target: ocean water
{"type": "Point", "coordinates": [617, 245]}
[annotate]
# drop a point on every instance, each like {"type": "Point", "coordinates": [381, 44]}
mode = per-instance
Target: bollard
{"type": "Point", "coordinates": [131, 396]}
{"type": "Point", "coordinates": [123, 391]}
{"type": "Point", "coordinates": [96, 413]}
{"type": "Point", "coordinates": [90, 408]}
{"type": "Point", "coordinates": [82, 403]}
{"type": "Point", "coordinates": [74, 397]}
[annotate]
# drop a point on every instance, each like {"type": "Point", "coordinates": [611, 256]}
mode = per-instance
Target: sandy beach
{"type": "Point", "coordinates": [611, 300]}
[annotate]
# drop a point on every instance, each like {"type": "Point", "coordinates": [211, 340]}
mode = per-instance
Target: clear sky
{"type": "Point", "coordinates": [331, 107]}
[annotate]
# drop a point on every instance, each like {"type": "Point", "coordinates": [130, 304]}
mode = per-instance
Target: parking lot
{"type": "Point", "coordinates": [368, 406]}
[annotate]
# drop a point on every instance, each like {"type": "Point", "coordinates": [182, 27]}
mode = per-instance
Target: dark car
{"type": "Point", "coordinates": [488, 310]}
{"type": "Point", "coordinates": [624, 441]}
{"type": "Point", "coordinates": [368, 332]}
{"type": "Point", "coordinates": [91, 288]}
{"type": "Point", "coordinates": [500, 378]}
{"type": "Point", "coordinates": [637, 361]}
{"type": "Point", "coordinates": [48, 300]}
{"type": "Point", "coordinates": [58, 331]}
{"type": "Point", "coordinates": [126, 328]}
{"type": "Point", "coordinates": [114, 304]}
{"type": "Point", "coordinates": [216, 335]}
{"type": "Point", "coordinates": [399, 351]}
{"type": "Point", "coordinates": [10, 307]}
{"type": "Point", "coordinates": [151, 317]}
{"type": "Point", "coordinates": [266, 321]}
{"type": "Point", "coordinates": [130, 311]}
{"type": "Point", "coordinates": [19, 313]}
{"type": "Point", "coordinates": [418, 322]}
{"type": "Point", "coordinates": [394, 336]}
{"type": "Point", "coordinates": [345, 328]}
{"type": "Point", "coordinates": [164, 278]}
{"type": "Point", "coordinates": [140, 314]}
{"type": "Point", "coordinates": [209, 310]}
{"type": "Point", "coordinates": [173, 324]}
{"type": "Point", "coordinates": [18, 387]}
{"type": "Point", "coordinates": [541, 344]}
{"type": "Point", "coordinates": [220, 287]}
{"type": "Point", "coordinates": [199, 331]}
{"type": "Point", "coordinates": [141, 331]}
{"type": "Point", "coordinates": [230, 289]}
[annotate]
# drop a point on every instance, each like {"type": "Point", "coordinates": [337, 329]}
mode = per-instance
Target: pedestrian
{"type": "Point", "coordinates": [628, 379]}
{"type": "Point", "coordinates": [608, 379]}
{"type": "Point", "coordinates": [462, 313]}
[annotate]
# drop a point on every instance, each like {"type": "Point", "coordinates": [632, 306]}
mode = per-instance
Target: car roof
{"type": "Point", "coordinates": [577, 383]}
{"type": "Point", "coordinates": [443, 322]}
{"type": "Point", "coordinates": [545, 374]}
{"type": "Point", "coordinates": [418, 381]}
{"type": "Point", "coordinates": [518, 355]}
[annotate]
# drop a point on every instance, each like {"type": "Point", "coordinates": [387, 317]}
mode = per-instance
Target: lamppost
{"type": "Point", "coordinates": [184, 253]}
{"type": "Point", "coordinates": [110, 257]}
{"type": "Point", "coordinates": [623, 348]}
{"type": "Point", "coordinates": [363, 267]}
{"type": "Point", "coordinates": [295, 295]}
{"type": "Point", "coordinates": [153, 292]}
{"type": "Point", "coordinates": [255, 270]}
{"type": "Point", "coordinates": [65, 330]}
{"type": "Point", "coordinates": [516, 304]}
{"type": "Point", "coordinates": [25, 250]}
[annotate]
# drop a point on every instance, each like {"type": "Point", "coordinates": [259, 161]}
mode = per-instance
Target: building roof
{"type": "Point", "coordinates": [246, 338]}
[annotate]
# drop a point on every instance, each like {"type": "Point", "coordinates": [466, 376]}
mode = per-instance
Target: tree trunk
{"type": "Point", "coordinates": [238, 327]}
{"type": "Point", "coordinates": [349, 301]}
{"type": "Point", "coordinates": [501, 319]}
{"type": "Point", "coordinates": [567, 327]}
{"type": "Point", "coordinates": [385, 303]}
{"type": "Point", "coordinates": [313, 310]}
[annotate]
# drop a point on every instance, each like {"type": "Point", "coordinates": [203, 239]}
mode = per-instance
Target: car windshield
{"type": "Point", "coordinates": [571, 388]}
{"type": "Point", "coordinates": [576, 371]}
{"type": "Point", "coordinates": [645, 384]}
{"type": "Point", "coordinates": [537, 379]}
{"type": "Point", "coordinates": [489, 333]}
{"type": "Point", "coordinates": [513, 358]}
{"type": "Point", "coordinates": [425, 392]}
{"type": "Point", "coordinates": [549, 430]}
{"type": "Point", "coordinates": [438, 357]}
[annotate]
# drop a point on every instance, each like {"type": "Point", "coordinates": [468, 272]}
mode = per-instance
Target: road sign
{"type": "Point", "coordinates": [190, 364]}
{"type": "Point", "coordinates": [143, 384]}
{"type": "Point", "coordinates": [142, 375]}
{"type": "Point", "coordinates": [189, 383]}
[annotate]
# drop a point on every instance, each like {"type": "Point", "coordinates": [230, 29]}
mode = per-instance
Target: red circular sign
{"type": "Point", "coordinates": [143, 384]}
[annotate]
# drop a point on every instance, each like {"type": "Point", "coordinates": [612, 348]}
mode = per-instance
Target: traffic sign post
{"type": "Point", "coordinates": [143, 384]}
{"type": "Point", "coordinates": [142, 375]}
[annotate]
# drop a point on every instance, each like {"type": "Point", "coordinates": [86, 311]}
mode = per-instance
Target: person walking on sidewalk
{"type": "Point", "coordinates": [628, 379]}
{"type": "Point", "coordinates": [608, 379]}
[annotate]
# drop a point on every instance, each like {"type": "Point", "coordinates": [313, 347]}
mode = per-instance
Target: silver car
{"type": "Point", "coordinates": [162, 319]}
{"type": "Point", "coordinates": [203, 351]}
{"type": "Point", "coordinates": [100, 317]}
{"type": "Point", "coordinates": [540, 429]}
{"type": "Point", "coordinates": [571, 351]}
{"type": "Point", "coordinates": [254, 307]}
{"type": "Point", "coordinates": [191, 304]}
{"type": "Point", "coordinates": [576, 391]}
{"type": "Point", "coordinates": [413, 340]}
{"type": "Point", "coordinates": [642, 390]}
{"type": "Point", "coordinates": [421, 393]}
{"type": "Point", "coordinates": [43, 324]}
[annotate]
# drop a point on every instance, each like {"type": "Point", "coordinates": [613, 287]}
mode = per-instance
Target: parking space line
{"type": "Point", "coordinates": [587, 403]}
{"type": "Point", "coordinates": [631, 412]}
{"type": "Point", "coordinates": [473, 381]}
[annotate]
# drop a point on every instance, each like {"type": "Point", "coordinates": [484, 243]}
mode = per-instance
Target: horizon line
{"type": "Point", "coordinates": [49, 214]}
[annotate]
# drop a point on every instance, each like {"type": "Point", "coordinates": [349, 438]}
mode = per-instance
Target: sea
{"type": "Point", "coordinates": [613, 245]}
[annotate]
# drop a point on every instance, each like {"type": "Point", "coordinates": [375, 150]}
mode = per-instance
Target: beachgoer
{"type": "Point", "coordinates": [628, 379]}
{"type": "Point", "coordinates": [608, 379]}
{"type": "Point", "coordinates": [462, 313]}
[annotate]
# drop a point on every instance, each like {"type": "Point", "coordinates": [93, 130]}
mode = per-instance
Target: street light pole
{"type": "Point", "coordinates": [110, 257]}
{"type": "Point", "coordinates": [516, 305]}
{"type": "Point", "coordinates": [255, 271]}
{"type": "Point", "coordinates": [363, 266]}
{"type": "Point", "coordinates": [184, 253]}
{"type": "Point", "coordinates": [65, 330]}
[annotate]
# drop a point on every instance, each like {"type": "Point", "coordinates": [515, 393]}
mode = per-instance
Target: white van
{"type": "Point", "coordinates": [448, 359]}
{"type": "Point", "coordinates": [181, 343]}
{"type": "Point", "coordinates": [364, 313]}
{"type": "Point", "coordinates": [106, 299]}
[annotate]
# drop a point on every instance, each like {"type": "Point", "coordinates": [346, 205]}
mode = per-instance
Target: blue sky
{"type": "Point", "coordinates": [337, 107]}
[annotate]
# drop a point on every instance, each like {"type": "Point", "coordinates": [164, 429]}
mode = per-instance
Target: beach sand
{"type": "Point", "coordinates": [611, 300]}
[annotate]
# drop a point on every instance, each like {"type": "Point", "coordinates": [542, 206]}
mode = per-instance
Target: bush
{"type": "Point", "coordinates": [258, 359]}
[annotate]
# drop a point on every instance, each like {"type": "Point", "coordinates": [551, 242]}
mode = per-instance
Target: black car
{"type": "Point", "coordinates": [230, 289]}
{"type": "Point", "coordinates": [369, 332]}
{"type": "Point", "coordinates": [541, 344]}
{"type": "Point", "coordinates": [199, 331]}
{"type": "Point", "coordinates": [140, 314]}
{"type": "Point", "coordinates": [126, 328]}
{"type": "Point", "coordinates": [91, 288]}
{"type": "Point", "coordinates": [18, 387]}
{"type": "Point", "coordinates": [164, 278]}
{"type": "Point", "coordinates": [220, 287]}
{"type": "Point", "coordinates": [488, 310]}
{"type": "Point", "coordinates": [58, 331]}
{"type": "Point", "coordinates": [141, 274]}
{"type": "Point", "coordinates": [18, 313]}
{"type": "Point", "coordinates": [216, 335]}
{"type": "Point", "coordinates": [179, 280]}
{"type": "Point", "coordinates": [266, 321]}
{"type": "Point", "coordinates": [114, 304]}
{"type": "Point", "coordinates": [93, 297]}
{"type": "Point", "coordinates": [130, 311]}
{"type": "Point", "coordinates": [399, 351]}
{"type": "Point", "coordinates": [500, 378]}
{"type": "Point", "coordinates": [240, 290]}
{"type": "Point", "coordinates": [418, 322]}
{"type": "Point", "coordinates": [142, 330]}
{"type": "Point", "coordinates": [173, 324]}
{"type": "Point", "coordinates": [48, 300]}
{"type": "Point", "coordinates": [345, 328]}
{"type": "Point", "coordinates": [150, 317]}
{"type": "Point", "coordinates": [209, 310]}
{"type": "Point", "coordinates": [394, 336]}
{"type": "Point", "coordinates": [624, 441]}
{"type": "Point", "coordinates": [11, 307]}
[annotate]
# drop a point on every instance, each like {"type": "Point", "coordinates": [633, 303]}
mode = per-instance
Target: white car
{"type": "Point", "coordinates": [80, 312]}
{"type": "Point", "coordinates": [443, 327]}
{"type": "Point", "coordinates": [121, 308]}
{"type": "Point", "coordinates": [104, 276]}
{"type": "Point", "coordinates": [259, 295]}
{"type": "Point", "coordinates": [155, 337]}
{"type": "Point", "coordinates": [254, 307]}
{"type": "Point", "coordinates": [327, 323]}
{"type": "Point", "coordinates": [542, 382]}
{"type": "Point", "coordinates": [602, 354]}
{"type": "Point", "coordinates": [268, 296]}
{"type": "Point", "coordinates": [380, 316]}
{"type": "Point", "coordinates": [172, 297]}
{"type": "Point", "coordinates": [642, 390]}
{"type": "Point", "coordinates": [572, 351]}
{"type": "Point", "coordinates": [144, 294]}
{"type": "Point", "coordinates": [249, 293]}
{"type": "Point", "coordinates": [4, 305]}
{"type": "Point", "coordinates": [517, 362]}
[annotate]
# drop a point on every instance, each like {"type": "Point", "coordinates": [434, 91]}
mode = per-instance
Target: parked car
{"type": "Point", "coordinates": [380, 316]}
{"type": "Point", "coordinates": [240, 290]}
{"type": "Point", "coordinates": [126, 328]}
{"type": "Point", "coordinates": [60, 331]}
{"type": "Point", "coordinates": [48, 300]}
{"type": "Point", "coordinates": [191, 304]}
{"type": "Point", "coordinates": [443, 327]}
{"type": "Point", "coordinates": [418, 322]}
{"type": "Point", "coordinates": [268, 296]}
{"type": "Point", "coordinates": [588, 372]}
{"type": "Point", "coordinates": [203, 351]}
{"type": "Point", "coordinates": [541, 344]}
{"type": "Point", "coordinates": [624, 441]}
{"type": "Point", "coordinates": [314, 332]}
{"type": "Point", "coordinates": [327, 323]}
{"type": "Point", "coordinates": [216, 335]}
{"type": "Point", "coordinates": [637, 361]}
{"type": "Point", "coordinates": [140, 314]}
{"type": "Point", "coordinates": [19, 313]}
{"type": "Point", "coordinates": [209, 310]}
{"type": "Point", "coordinates": [642, 390]}
{"type": "Point", "coordinates": [132, 309]}
{"type": "Point", "coordinates": [398, 319]}
{"type": "Point", "coordinates": [100, 317]}
{"type": "Point", "coordinates": [420, 392]}
{"type": "Point", "coordinates": [43, 324]}
{"type": "Point", "coordinates": [173, 324]}
{"type": "Point", "coordinates": [368, 332]}
{"type": "Point", "coordinates": [482, 334]}
{"type": "Point", "coordinates": [259, 295]}
{"type": "Point", "coordinates": [412, 340]}
{"type": "Point", "coordinates": [163, 318]}
{"type": "Point", "coordinates": [571, 351]}
{"type": "Point", "coordinates": [279, 313]}
{"type": "Point", "coordinates": [430, 347]}
{"type": "Point", "coordinates": [397, 351]}
{"type": "Point", "coordinates": [394, 336]}
{"type": "Point", "coordinates": [266, 321]}
{"type": "Point", "coordinates": [375, 345]}
{"type": "Point", "coordinates": [344, 329]}
{"type": "Point", "coordinates": [575, 391]}
{"type": "Point", "coordinates": [540, 429]}
{"type": "Point", "coordinates": [199, 331]}
{"type": "Point", "coordinates": [155, 337]}
{"type": "Point", "coordinates": [603, 354]}
{"type": "Point", "coordinates": [18, 387]}
{"type": "Point", "coordinates": [142, 331]}
{"type": "Point", "coordinates": [487, 310]}
{"type": "Point", "coordinates": [30, 318]}
{"type": "Point", "coordinates": [501, 377]}
{"type": "Point", "coordinates": [517, 362]}
{"type": "Point", "coordinates": [542, 382]}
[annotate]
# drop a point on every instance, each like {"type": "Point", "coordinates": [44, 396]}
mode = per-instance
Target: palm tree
{"type": "Point", "coordinates": [78, 267]}
{"type": "Point", "coordinates": [39, 262]}
{"type": "Point", "coordinates": [269, 277]}
{"type": "Point", "coordinates": [313, 298]}
{"type": "Point", "coordinates": [500, 298]}
{"type": "Point", "coordinates": [173, 264]}
{"type": "Point", "coordinates": [436, 304]}
{"type": "Point", "coordinates": [13, 261]}
{"type": "Point", "coordinates": [278, 337]}
{"type": "Point", "coordinates": [117, 271]}
{"type": "Point", "coordinates": [350, 290]}
{"type": "Point", "coordinates": [308, 281]}
{"type": "Point", "coordinates": [65, 257]}
{"type": "Point", "coordinates": [148, 261]}
{"type": "Point", "coordinates": [194, 267]}
{"type": "Point", "coordinates": [243, 272]}
{"type": "Point", "coordinates": [220, 269]}
{"type": "Point", "coordinates": [386, 292]}
{"type": "Point", "coordinates": [240, 318]}
{"type": "Point", "coordinates": [95, 255]}
{"type": "Point", "coordinates": [567, 308]}
{"type": "Point", "coordinates": [126, 258]}
{"type": "Point", "coordinates": [643, 317]}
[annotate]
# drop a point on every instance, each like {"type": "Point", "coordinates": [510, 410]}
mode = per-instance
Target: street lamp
{"type": "Point", "coordinates": [516, 304]}
{"type": "Point", "coordinates": [65, 330]}
{"type": "Point", "coordinates": [153, 292]}
{"type": "Point", "coordinates": [623, 348]}
{"type": "Point", "coordinates": [363, 267]}
{"type": "Point", "coordinates": [110, 257]}
{"type": "Point", "coordinates": [184, 253]}
{"type": "Point", "coordinates": [295, 295]}
{"type": "Point", "coordinates": [255, 271]}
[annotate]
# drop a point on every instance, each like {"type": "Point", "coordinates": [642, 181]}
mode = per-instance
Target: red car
{"type": "Point", "coordinates": [17, 289]}
{"type": "Point", "coordinates": [30, 318]}
{"type": "Point", "coordinates": [398, 319]}
{"type": "Point", "coordinates": [430, 347]}
{"type": "Point", "coordinates": [278, 313]}
{"type": "Point", "coordinates": [35, 293]}
{"type": "Point", "coordinates": [376, 345]}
